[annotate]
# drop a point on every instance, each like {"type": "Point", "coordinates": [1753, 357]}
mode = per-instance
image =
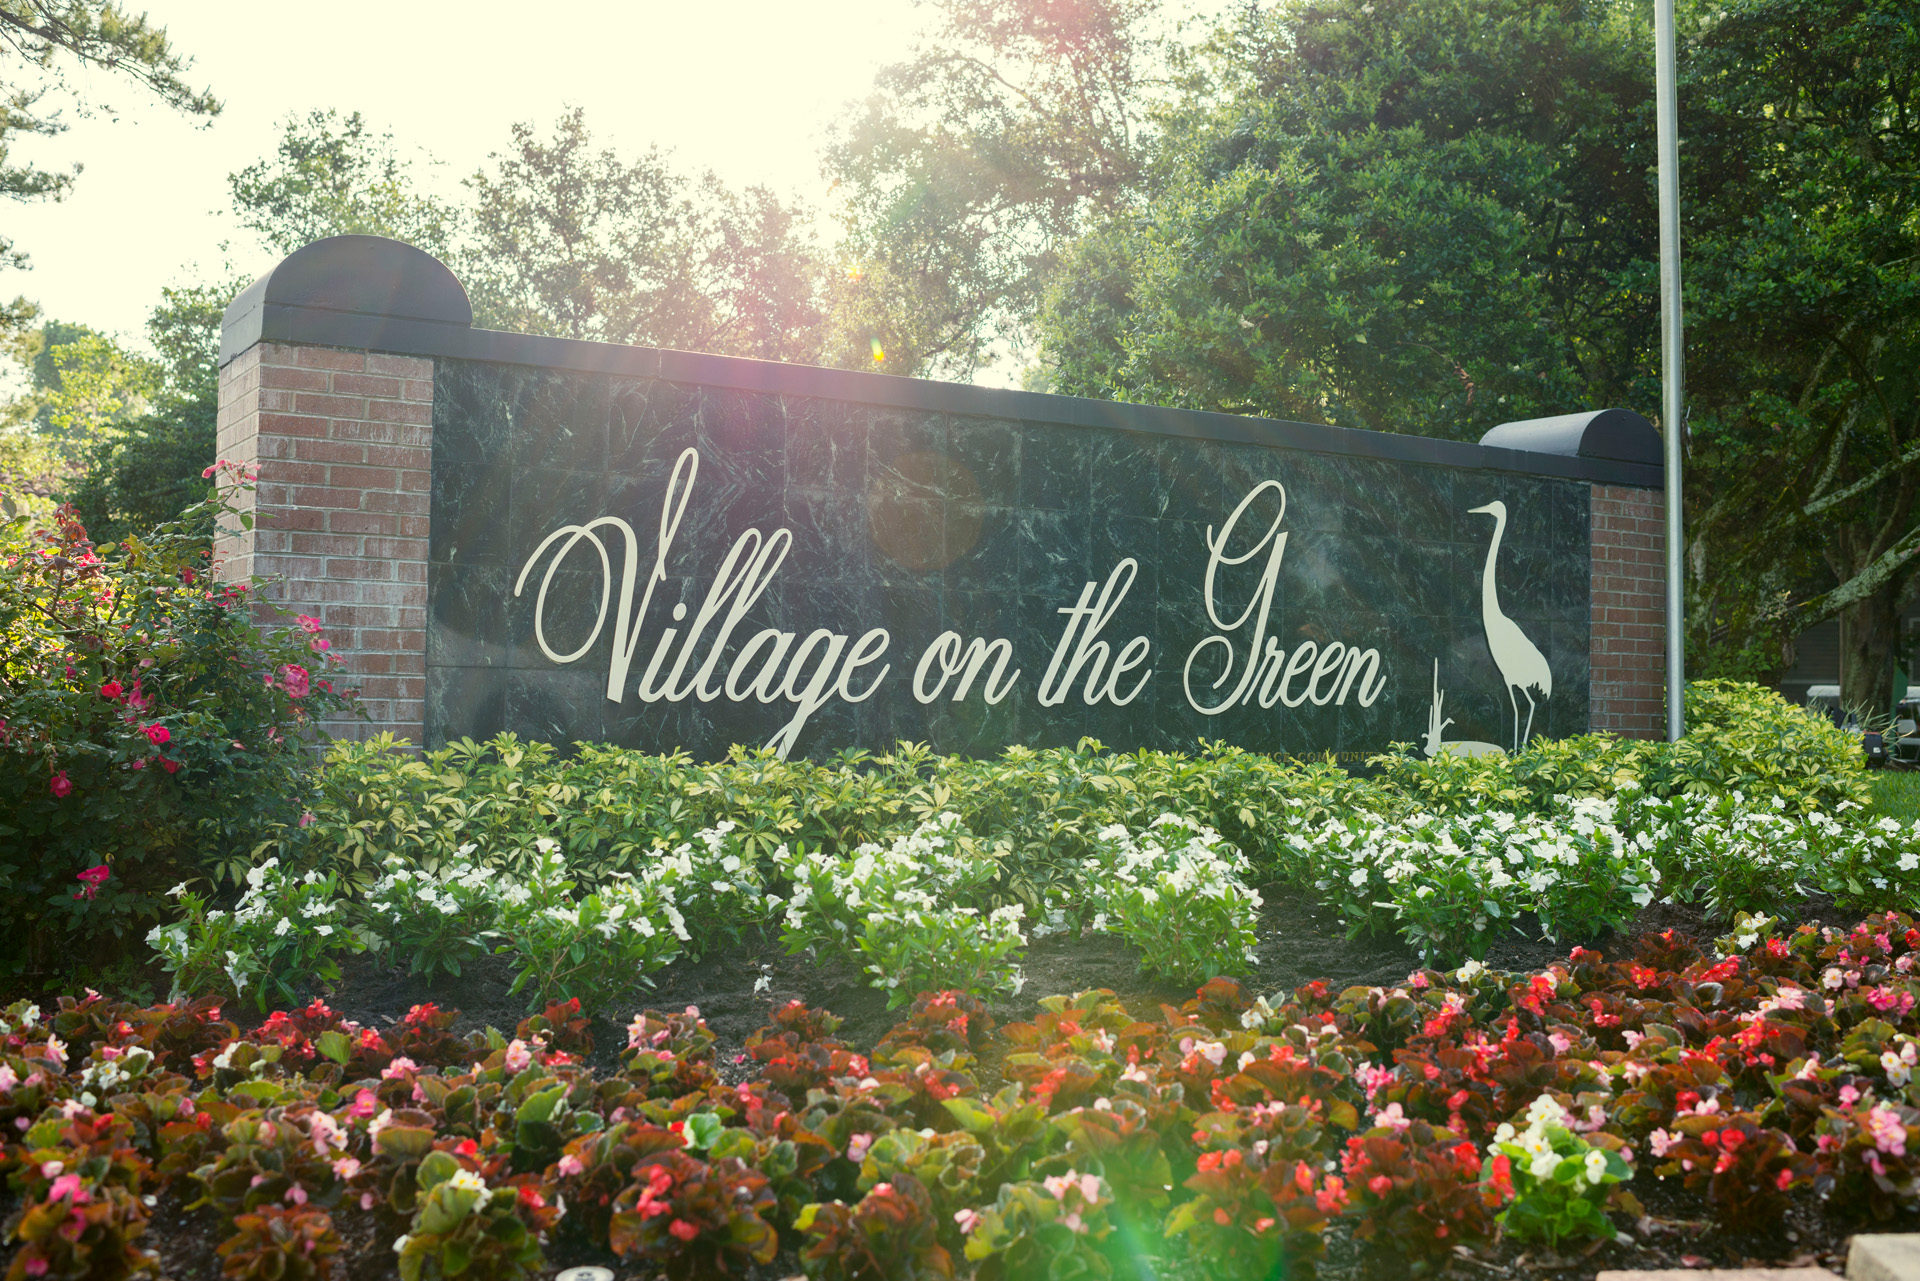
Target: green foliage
{"type": "Point", "coordinates": [909, 916]}
{"type": "Point", "coordinates": [1800, 181]}
{"type": "Point", "coordinates": [280, 937]}
{"type": "Point", "coordinates": [152, 727]}
{"type": "Point", "coordinates": [586, 949]}
{"type": "Point", "coordinates": [1175, 893]}
{"type": "Point", "coordinates": [331, 175]}
{"type": "Point", "coordinates": [1740, 738]}
{"type": "Point", "coordinates": [152, 469]}
{"type": "Point", "coordinates": [972, 163]}
{"type": "Point", "coordinates": [563, 238]}
{"type": "Point", "coordinates": [1450, 883]}
{"type": "Point", "coordinates": [1414, 216]}
{"type": "Point", "coordinates": [1558, 1182]}
{"type": "Point", "coordinates": [49, 41]}
{"type": "Point", "coordinates": [1896, 794]}
{"type": "Point", "coordinates": [464, 1228]}
{"type": "Point", "coordinates": [435, 921]}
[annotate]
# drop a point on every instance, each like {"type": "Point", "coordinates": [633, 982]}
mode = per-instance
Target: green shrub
{"type": "Point", "coordinates": [150, 728]}
{"type": "Point", "coordinates": [1740, 737]}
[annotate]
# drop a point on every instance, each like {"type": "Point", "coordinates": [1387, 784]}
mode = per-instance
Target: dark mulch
{"type": "Point", "coordinates": [1298, 942]}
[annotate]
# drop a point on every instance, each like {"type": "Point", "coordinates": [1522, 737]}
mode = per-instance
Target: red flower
{"type": "Point", "coordinates": [61, 785]}
{"type": "Point", "coordinates": [111, 690]}
{"type": "Point", "coordinates": [1503, 1175]}
{"type": "Point", "coordinates": [158, 734]}
{"type": "Point", "coordinates": [91, 880]}
{"type": "Point", "coordinates": [682, 1229]}
{"type": "Point", "coordinates": [168, 764]}
{"type": "Point", "coordinates": [308, 623]}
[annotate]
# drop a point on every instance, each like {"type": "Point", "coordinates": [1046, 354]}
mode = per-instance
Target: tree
{"type": "Point", "coordinates": [51, 40]}
{"type": "Point", "coordinates": [1404, 215]}
{"type": "Point", "coordinates": [1803, 181]}
{"type": "Point", "coordinates": [567, 239]}
{"type": "Point", "coordinates": [974, 162]}
{"type": "Point", "coordinates": [149, 473]}
{"type": "Point", "coordinates": [331, 175]}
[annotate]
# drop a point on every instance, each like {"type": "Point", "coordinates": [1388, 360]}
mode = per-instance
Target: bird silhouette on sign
{"type": "Point", "coordinates": [1522, 666]}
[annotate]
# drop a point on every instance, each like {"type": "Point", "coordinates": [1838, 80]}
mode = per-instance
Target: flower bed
{"type": "Point", "coordinates": [1763, 1085]}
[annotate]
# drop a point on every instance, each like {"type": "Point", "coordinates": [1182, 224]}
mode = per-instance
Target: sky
{"type": "Point", "coordinates": [746, 88]}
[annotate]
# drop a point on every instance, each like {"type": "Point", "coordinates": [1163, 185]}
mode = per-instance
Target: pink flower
{"type": "Point", "coordinates": [61, 785]}
{"type": "Point", "coordinates": [857, 1147]}
{"type": "Point", "coordinates": [294, 679]}
{"type": "Point", "coordinates": [69, 1188]}
{"type": "Point", "coordinates": [306, 818]}
{"type": "Point", "coordinates": [518, 1057]}
{"type": "Point", "coordinates": [111, 690]}
{"type": "Point", "coordinates": [1889, 1135]}
{"type": "Point", "coordinates": [346, 1167]}
{"type": "Point", "coordinates": [1660, 1141]}
{"type": "Point", "coordinates": [968, 1220]}
{"type": "Point", "coordinates": [158, 734]}
{"type": "Point", "coordinates": [683, 1230]}
{"type": "Point", "coordinates": [363, 1105]}
{"type": "Point", "coordinates": [399, 1068]}
{"type": "Point", "coordinates": [308, 623]}
{"type": "Point", "coordinates": [36, 1266]}
{"type": "Point", "coordinates": [297, 1195]}
{"type": "Point", "coordinates": [569, 1166]}
{"type": "Point", "coordinates": [91, 880]}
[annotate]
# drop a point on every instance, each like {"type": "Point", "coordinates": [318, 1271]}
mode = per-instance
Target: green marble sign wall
{"type": "Point", "coordinates": [578, 541]}
{"type": "Point", "coordinates": [662, 564]}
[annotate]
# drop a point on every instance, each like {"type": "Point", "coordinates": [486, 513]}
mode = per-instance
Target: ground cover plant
{"type": "Point", "coordinates": [1744, 1083]}
{"type": "Point", "coordinates": [927, 872]}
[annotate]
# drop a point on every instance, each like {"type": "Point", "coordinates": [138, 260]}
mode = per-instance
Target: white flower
{"type": "Point", "coordinates": [1596, 1164]}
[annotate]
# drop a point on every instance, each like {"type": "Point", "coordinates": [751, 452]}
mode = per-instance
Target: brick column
{"type": "Point", "coordinates": [1629, 618]}
{"type": "Point", "coordinates": [344, 443]}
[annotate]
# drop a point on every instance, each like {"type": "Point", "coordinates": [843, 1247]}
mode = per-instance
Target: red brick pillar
{"type": "Point", "coordinates": [344, 444]}
{"type": "Point", "coordinates": [1629, 618]}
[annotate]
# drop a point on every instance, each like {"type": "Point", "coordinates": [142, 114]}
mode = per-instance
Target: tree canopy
{"type": "Point", "coordinates": [45, 46]}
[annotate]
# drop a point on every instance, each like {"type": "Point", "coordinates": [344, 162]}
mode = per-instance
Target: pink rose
{"type": "Point", "coordinates": [61, 785]}
{"type": "Point", "coordinates": [294, 679]}
{"type": "Point", "coordinates": [158, 735]}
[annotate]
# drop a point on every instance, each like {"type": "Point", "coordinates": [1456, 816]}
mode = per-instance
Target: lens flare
{"type": "Point", "coordinates": [879, 354]}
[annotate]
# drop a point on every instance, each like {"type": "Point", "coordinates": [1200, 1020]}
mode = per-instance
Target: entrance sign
{"type": "Point", "coordinates": [672, 551]}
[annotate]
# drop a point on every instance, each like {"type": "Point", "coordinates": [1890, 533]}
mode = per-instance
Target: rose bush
{"type": "Point", "coordinates": [151, 726]}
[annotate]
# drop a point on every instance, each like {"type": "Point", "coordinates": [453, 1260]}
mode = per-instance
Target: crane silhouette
{"type": "Point", "coordinates": [1522, 666]}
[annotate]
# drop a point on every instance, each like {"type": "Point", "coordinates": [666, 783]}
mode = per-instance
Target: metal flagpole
{"type": "Point", "coordinates": [1672, 352]}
